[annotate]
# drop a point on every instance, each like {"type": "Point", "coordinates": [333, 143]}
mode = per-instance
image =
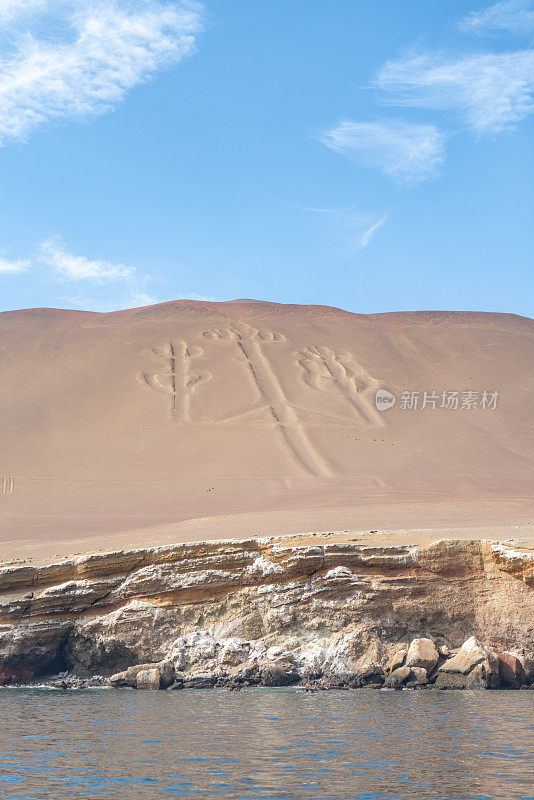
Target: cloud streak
{"type": "Point", "coordinates": [96, 272]}
{"type": "Point", "coordinates": [54, 254]}
{"type": "Point", "coordinates": [110, 47]}
{"type": "Point", "coordinates": [408, 153]}
{"type": "Point", "coordinates": [11, 9]}
{"type": "Point", "coordinates": [514, 16]}
{"type": "Point", "coordinates": [492, 92]}
{"type": "Point", "coordinates": [13, 267]}
{"type": "Point", "coordinates": [370, 232]}
{"type": "Point", "coordinates": [86, 302]}
{"type": "Point", "coordinates": [88, 277]}
{"type": "Point", "coordinates": [348, 225]}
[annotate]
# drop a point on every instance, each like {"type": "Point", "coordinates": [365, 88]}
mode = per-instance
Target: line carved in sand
{"type": "Point", "coordinates": [323, 370]}
{"type": "Point", "coordinates": [249, 342]}
{"type": "Point", "coordinates": [178, 378]}
{"type": "Point", "coordinates": [7, 485]}
{"type": "Point", "coordinates": [331, 372]}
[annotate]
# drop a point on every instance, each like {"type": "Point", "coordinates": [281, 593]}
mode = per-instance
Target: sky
{"type": "Point", "coordinates": [373, 155]}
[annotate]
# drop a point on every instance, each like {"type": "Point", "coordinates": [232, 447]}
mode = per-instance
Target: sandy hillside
{"type": "Point", "coordinates": [188, 418]}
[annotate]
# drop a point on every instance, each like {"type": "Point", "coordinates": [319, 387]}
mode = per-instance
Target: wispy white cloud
{"type": "Point", "coordinates": [350, 226]}
{"type": "Point", "coordinates": [100, 285]}
{"type": "Point", "coordinates": [10, 9]}
{"type": "Point", "coordinates": [408, 153]}
{"type": "Point", "coordinates": [84, 301]}
{"type": "Point", "coordinates": [138, 299]}
{"type": "Point", "coordinates": [515, 16]}
{"type": "Point", "coordinates": [195, 296]}
{"type": "Point", "coordinates": [54, 254]}
{"type": "Point", "coordinates": [135, 299]}
{"type": "Point", "coordinates": [12, 267]}
{"type": "Point", "coordinates": [336, 211]}
{"type": "Point", "coordinates": [370, 232]}
{"type": "Point", "coordinates": [491, 91]}
{"type": "Point", "coordinates": [131, 284]}
{"type": "Point", "coordinates": [83, 62]}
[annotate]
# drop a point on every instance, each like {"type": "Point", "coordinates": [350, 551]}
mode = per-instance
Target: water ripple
{"type": "Point", "coordinates": [267, 744]}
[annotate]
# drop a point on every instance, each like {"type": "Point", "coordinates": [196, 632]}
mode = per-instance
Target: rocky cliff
{"type": "Point", "coordinates": [325, 609]}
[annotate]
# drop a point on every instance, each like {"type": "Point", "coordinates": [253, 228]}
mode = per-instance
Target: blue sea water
{"type": "Point", "coordinates": [267, 744]}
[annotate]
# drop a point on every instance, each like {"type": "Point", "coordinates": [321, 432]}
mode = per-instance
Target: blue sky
{"type": "Point", "coordinates": [374, 155]}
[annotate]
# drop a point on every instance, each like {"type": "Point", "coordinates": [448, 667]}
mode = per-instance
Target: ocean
{"type": "Point", "coordinates": [268, 744]}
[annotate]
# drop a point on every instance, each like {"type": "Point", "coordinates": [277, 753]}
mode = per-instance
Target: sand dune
{"type": "Point", "coordinates": [143, 419]}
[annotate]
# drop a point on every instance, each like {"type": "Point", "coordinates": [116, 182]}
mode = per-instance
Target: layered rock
{"type": "Point", "coordinates": [326, 610]}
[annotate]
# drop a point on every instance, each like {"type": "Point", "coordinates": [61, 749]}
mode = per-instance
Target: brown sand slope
{"type": "Point", "coordinates": [255, 414]}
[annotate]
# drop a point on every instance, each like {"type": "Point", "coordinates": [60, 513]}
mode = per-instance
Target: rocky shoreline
{"type": "Point", "coordinates": [421, 665]}
{"type": "Point", "coordinates": [328, 612]}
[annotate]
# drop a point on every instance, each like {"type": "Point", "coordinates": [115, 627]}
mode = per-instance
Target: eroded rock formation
{"type": "Point", "coordinates": [327, 610]}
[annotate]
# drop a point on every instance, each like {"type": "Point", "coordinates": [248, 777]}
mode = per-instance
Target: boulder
{"type": "Point", "coordinates": [482, 678]}
{"type": "Point", "coordinates": [511, 669]}
{"type": "Point", "coordinates": [450, 680]}
{"type": "Point", "coordinates": [471, 653]}
{"type": "Point", "coordinates": [63, 685]}
{"type": "Point", "coordinates": [178, 682]}
{"type": "Point", "coordinates": [278, 674]}
{"type": "Point", "coordinates": [149, 679]}
{"type": "Point", "coordinates": [528, 665]}
{"type": "Point", "coordinates": [165, 669]}
{"type": "Point", "coordinates": [397, 660]}
{"type": "Point", "coordinates": [473, 667]}
{"type": "Point", "coordinates": [329, 681]}
{"type": "Point", "coordinates": [478, 678]}
{"type": "Point", "coordinates": [370, 673]}
{"type": "Point", "coordinates": [200, 681]}
{"type": "Point", "coordinates": [527, 662]}
{"type": "Point", "coordinates": [422, 653]}
{"type": "Point", "coordinates": [418, 676]}
{"type": "Point", "coordinates": [131, 673]}
{"type": "Point", "coordinates": [398, 677]}
{"type": "Point", "coordinates": [249, 672]}
{"type": "Point", "coordinates": [119, 679]}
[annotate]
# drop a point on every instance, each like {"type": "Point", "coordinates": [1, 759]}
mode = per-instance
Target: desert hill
{"type": "Point", "coordinates": [140, 420]}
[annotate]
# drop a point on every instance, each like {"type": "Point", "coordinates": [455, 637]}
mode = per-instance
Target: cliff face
{"type": "Point", "coordinates": [324, 607]}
